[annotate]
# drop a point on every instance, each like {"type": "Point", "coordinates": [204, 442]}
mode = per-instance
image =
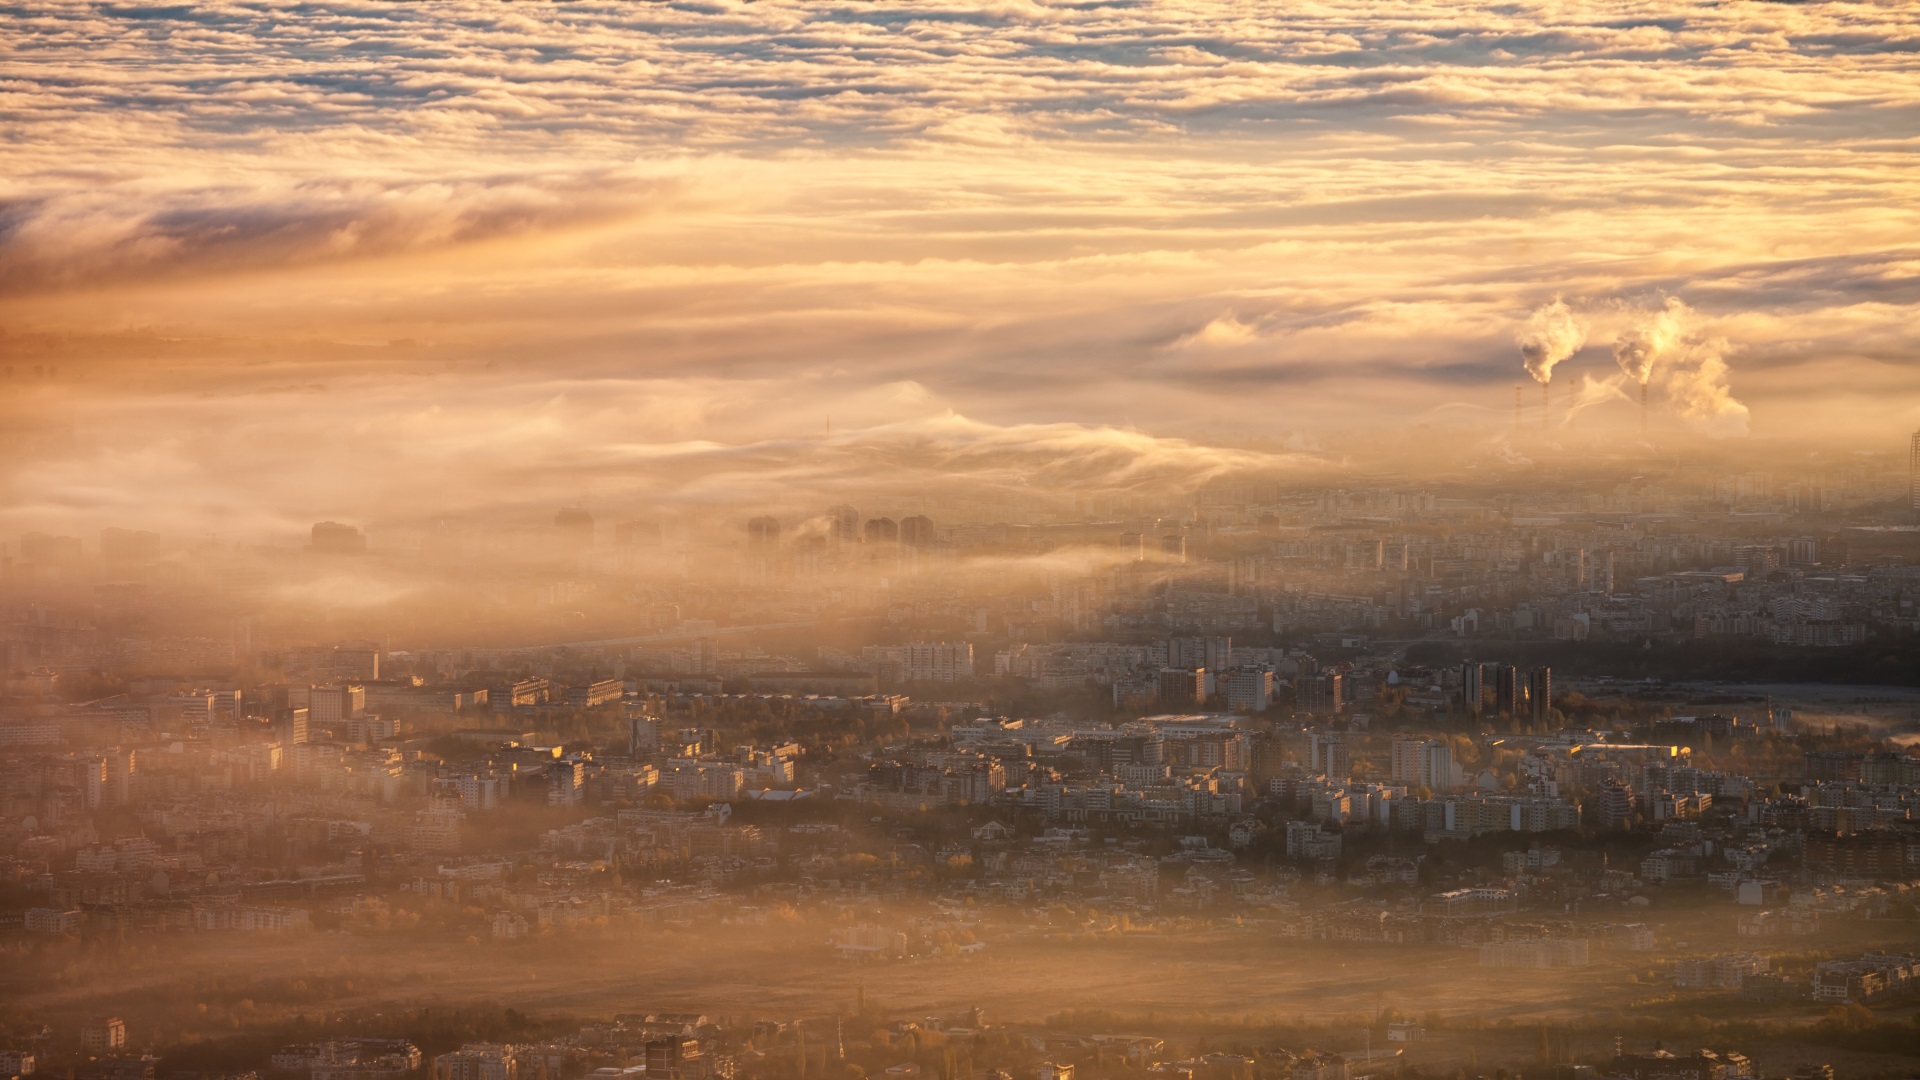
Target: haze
{"type": "Point", "coordinates": [852, 540]}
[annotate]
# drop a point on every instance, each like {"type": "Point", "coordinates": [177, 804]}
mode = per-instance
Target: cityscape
{"type": "Point", "coordinates": [1035, 540]}
{"type": "Point", "coordinates": [1624, 759]}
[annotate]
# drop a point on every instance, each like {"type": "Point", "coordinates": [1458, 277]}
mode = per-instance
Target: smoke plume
{"type": "Point", "coordinates": [1697, 383]}
{"type": "Point", "coordinates": [1550, 335]}
{"type": "Point", "coordinates": [1666, 344]}
{"type": "Point", "coordinates": [1589, 391]}
{"type": "Point", "coordinates": [1641, 348]}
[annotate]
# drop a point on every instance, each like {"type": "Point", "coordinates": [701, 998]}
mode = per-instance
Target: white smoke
{"type": "Point", "coordinates": [1639, 350]}
{"type": "Point", "coordinates": [1696, 382]}
{"type": "Point", "coordinates": [1550, 335]}
{"type": "Point", "coordinates": [1668, 346]}
{"type": "Point", "coordinates": [1589, 391]}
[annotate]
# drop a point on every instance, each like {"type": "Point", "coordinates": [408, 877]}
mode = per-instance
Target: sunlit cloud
{"type": "Point", "coordinates": [1163, 217]}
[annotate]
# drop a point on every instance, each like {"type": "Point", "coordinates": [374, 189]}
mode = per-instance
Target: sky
{"type": "Point", "coordinates": [277, 253]}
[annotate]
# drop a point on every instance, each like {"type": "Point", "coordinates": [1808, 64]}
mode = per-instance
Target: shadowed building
{"type": "Point", "coordinates": [763, 533]}
{"type": "Point", "coordinates": [917, 531]}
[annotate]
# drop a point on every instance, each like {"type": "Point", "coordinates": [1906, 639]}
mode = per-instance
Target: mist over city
{"type": "Point", "coordinates": [1020, 540]}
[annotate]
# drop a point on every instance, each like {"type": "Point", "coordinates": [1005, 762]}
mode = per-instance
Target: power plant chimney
{"type": "Point", "coordinates": [1546, 403]}
{"type": "Point", "coordinates": [1643, 412]}
{"type": "Point", "coordinates": [1516, 408]}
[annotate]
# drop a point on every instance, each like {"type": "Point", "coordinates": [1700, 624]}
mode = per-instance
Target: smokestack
{"type": "Point", "coordinates": [1546, 404]}
{"type": "Point", "coordinates": [1551, 334]}
{"type": "Point", "coordinates": [1693, 367]}
{"type": "Point", "coordinates": [1516, 408]}
{"type": "Point", "coordinates": [1643, 412]}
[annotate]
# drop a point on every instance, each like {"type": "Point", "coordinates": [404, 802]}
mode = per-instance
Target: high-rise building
{"type": "Point", "coordinates": [1173, 547]}
{"type": "Point", "coordinates": [881, 530]}
{"type": "Point", "coordinates": [123, 771]}
{"type": "Point", "coordinates": [1407, 756]}
{"type": "Point", "coordinates": [328, 706]}
{"type": "Point", "coordinates": [345, 663]}
{"type": "Point", "coordinates": [917, 531]}
{"type": "Point", "coordinates": [1328, 753]}
{"type": "Point", "coordinates": [763, 533]}
{"type": "Point", "coordinates": [843, 524]}
{"type": "Point", "coordinates": [1540, 694]}
{"type": "Point", "coordinates": [1250, 689]}
{"type": "Point", "coordinates": [1439, 771]}
{"type": "Point", "coordinates": [94, 785]}
{"type": "Point", "coordinates": [1397, 555]}
{"type": "Point", "coordinates": [938, 661]}
{"type": "Point", "coordinates": [674, 1058]}
{"type": "Point", "coordinates": [1367, 555]}
{"type": "Point", "coordinates": [566, 783]}
{"type": "Point", "coordinates": [1212, 653]}
{"type": "Point", "coordinates": [1506, 689]}
{"type": "Point", "coordinates": [703, 656]}
{"type": "Point", "coordinates": [1602, 573]}
{"type": "Point", "coordinates": [1612, 805]}
{"type": "Point", "coordinates": [1180, 688]}
{"type": "Point", "coordinates": [103, 1036]}
{"type": "Point", "coordinates": [643, 732]}
{"type": "Point", "coordinates": [1913, 474]}
{"type": "Point", "coordinates": [1472, 687]}
{"type": "Point", "coordinates": [1424, 763]}
{"type": "Point", "coordinates": [1318, 693]}
{"type": "Point", "coordinates": [1755, 560]}
{"type": "Point", "coordinates": [291, 727]}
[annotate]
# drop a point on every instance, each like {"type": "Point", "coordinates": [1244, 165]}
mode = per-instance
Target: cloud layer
{"type": "Point", "coordinates": [1167, 215]}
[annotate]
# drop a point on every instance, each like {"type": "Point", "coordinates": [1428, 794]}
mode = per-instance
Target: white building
{"type": "Point", "coordinates": [44, 920]}
{"type": "Point", "coordinates": [1426, 763]}
{"type": "Point", "coordinates": [478, 1061]}
{"type": "Point", "coordinates": [1249, 689]}
{"type": "Point", "coordinates": [103, 1036]}
{"type": "Point", "coordinates": [1723, 972]}
{"type": "Point", "coordinates": [330, 705]}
